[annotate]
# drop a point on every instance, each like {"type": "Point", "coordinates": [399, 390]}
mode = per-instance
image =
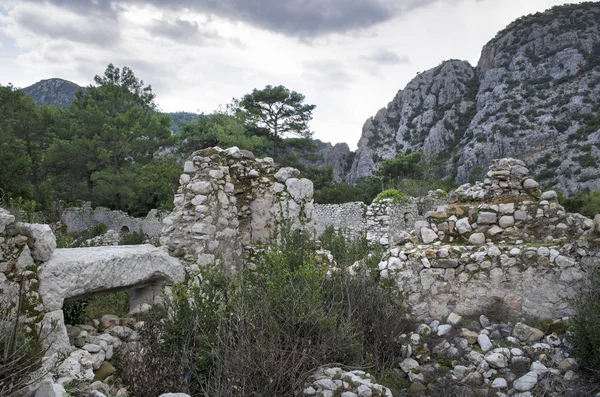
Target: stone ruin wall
{"type": "Point", "coordinates": [383, 222]}
{"type": "Point", "coordinates": [229, 201]}
{"type": "Point", "coordinates": [79, 219]}
{"type": "Point", "coordinates": [498, 242]}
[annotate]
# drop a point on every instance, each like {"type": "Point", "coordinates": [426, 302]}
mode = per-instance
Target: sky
{"type": "Point", "coordinates": [348, 57]}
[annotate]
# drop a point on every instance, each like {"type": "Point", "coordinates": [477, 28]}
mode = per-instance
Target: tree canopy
{"type": "Point", "coordinates": [277, 112]}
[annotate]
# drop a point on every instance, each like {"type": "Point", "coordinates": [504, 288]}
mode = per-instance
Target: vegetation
{"type": "Point", "coordinates": [103, 148]}
{"type": "Point", "coordinates": [21, 349]}
{"type": "Point", "coordinates": [585, 325]}
{"type": "Point", "coordinates": [277, 112]}
{"type": "Point", "coordinates": [584, 202]}
{"type": "Point", "coordinates": [262, 331]}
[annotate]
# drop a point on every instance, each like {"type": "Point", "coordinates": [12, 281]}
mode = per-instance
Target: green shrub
{"type": "Point", "coordinates": [396, 195]}
{"type": "Point", "coordinates": [133, 238]}
{"type": "Point", "coordinates": [585, 324]}
{"type": "Point", "coordinates": [263, 330]}
{"type": "Point", "coordinates": [99, 229]}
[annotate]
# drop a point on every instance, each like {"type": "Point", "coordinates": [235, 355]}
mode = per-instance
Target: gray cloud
{"type": "Point", "coordinates": [298, 18]}
{"type": "Point", "coordinates": [190, 32]}
{"type": "Point", "coordinates": [93, 31]}
{"type": "Point", "coordinates": [387, 57]}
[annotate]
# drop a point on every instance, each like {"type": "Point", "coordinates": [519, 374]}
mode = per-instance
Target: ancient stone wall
{"type": "Point", "coordinates": [228, 201]}
{"type": "Point", "coordinates": [384, 222]}
{"type": "Point", "coordinates": [500, 241]}
{"type": "Point", "coordinates": [78, 219]}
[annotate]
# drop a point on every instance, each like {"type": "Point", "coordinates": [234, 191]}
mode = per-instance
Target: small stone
{"type": "Point", "coordinates": [496, 360]}
{"type": "Point", "coordinates": [484, 342]}
{"type": "Point", "coordinates": [444, 329]}
{"type": "Point", "coordinates": [477, 239]}
{"type": "Point", "coordinates": [105, 370]}
{"type": "Point", "coordinates": [526, 333]}
{"type": "Point", "coordinates": [499, 383]}
{"type": "Point", "coordinates": [454, 319]}
{"type": "Point", "coordinates": [530, 184]}
{"type": "Point", "coordinates": [570, 375]}
{"type": "Point", "coordinates": [549, 195]}
{"type": "Point", "coordinates": [427, 235]}
{"type": "Point", "coordinates": [526, 382]}
{"type": "Point", "coordinates": [506, 221]}
{"type": "Point", "coordinates": [409, 364]}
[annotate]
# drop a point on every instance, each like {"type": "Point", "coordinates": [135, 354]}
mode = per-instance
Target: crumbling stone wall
{"type": "Point", "coordinates": [500, 240]}
{"type": "Point", "coordinates": [228, 201]}
{"type": "Point", "coordinates": [384, 222]}
{"type": "Point", "coordinates": [78, 219]}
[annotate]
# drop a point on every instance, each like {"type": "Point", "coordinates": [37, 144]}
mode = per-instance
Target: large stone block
{"type": "Point", "coordinates": [44, 240]}
{"type": "Point", "coordinates": [81, 272]}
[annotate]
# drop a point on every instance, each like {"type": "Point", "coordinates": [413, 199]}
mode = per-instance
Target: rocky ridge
{"type": "Point", "coordinates": [534, 95]}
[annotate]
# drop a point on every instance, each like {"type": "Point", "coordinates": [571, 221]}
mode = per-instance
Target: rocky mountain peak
{"type": "Point", "coordinates": [534, 95]}
{"type": "Point", "coordinates": [52, 91]}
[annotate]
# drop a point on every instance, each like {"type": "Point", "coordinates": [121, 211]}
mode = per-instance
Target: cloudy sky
{"type": "Point", "coordinates": [348, 57]}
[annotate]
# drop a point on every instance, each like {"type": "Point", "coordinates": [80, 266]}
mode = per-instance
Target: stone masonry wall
{"type": "Point", "coordinates": [384, 222]}
{"type": "Point", "coordinates": [500, 241]}
{"type": "Point", "coordinates": [228, 200]}
{"type": "Point", "coordinates": [78, 219]}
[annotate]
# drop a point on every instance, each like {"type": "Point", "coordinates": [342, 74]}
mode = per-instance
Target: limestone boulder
{"type": "Point", "coordinates": [81, 272]}
{"type": "Point", "coordinates": [299, 189]}
{"type": "Point", "coordinates": [286, 173]}
{"type": "Point", "coordinates": [44, 240]}
{"type": "Point", "coordinates": [5, 219]}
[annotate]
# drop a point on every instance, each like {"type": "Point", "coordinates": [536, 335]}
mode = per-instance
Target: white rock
{"type": "Point", "coordinates": [428, 236]}
{"type": "Point", "coordinates": [454, 319]}
{"type": "Point", "coordinates": [499, 383]}
{"type": "Point", "coordinates": [477, 239]}
{"type": "Point", "coordinates": [44, 240]}
{"type": "Point", "coordinates": [463, 226]}
{"type": "Point", "coordinates": [526, 382]}
{"type": "Point", "coordinates": [299, 189]}
{"type": "Point", "coordinates": [408, 364]}
{"type": "Point", "coordinates": [484, 342]}
{"type": "Point", "coordinates": [286, 173]}
{"type": "Point", "coordinates": [444, 329]}
{"type": "Point", "coordinates": [530, 184]}
{"type": "Point", "coordinates": [496, 360]}
{"type": "Point", "coordinates": [48, 389]}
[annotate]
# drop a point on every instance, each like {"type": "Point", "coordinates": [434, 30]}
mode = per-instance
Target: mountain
{"type": "Point", "coordinates": [534, 95]}
{"type": "Point", "coordinates": [52, 91]}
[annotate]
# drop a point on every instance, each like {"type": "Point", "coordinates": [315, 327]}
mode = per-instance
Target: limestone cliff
{"type": "Point", "coordinates": [534, 95]}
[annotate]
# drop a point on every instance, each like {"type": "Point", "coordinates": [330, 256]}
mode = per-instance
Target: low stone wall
{"type": "Point", "coordinates": [384, 222]}
{"type": "Point", "coordinates": [78, 219]}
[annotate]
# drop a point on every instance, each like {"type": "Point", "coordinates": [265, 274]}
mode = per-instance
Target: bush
{"type": "Point", "coordinates": [99, 229]}
{"type": "Point", "coordinates": [396, 195]}
{"type": "Point", "coordinates": [264, 330]}
{"type": "Point", "coordinates": [585, 324]}
{"type": "Point", "coordinates": [133, 238]}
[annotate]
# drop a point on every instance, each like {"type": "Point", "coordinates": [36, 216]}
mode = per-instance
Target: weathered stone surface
{"type": "Point", "coordinates": [44, 240]}
{"type": "Point", "coordinates": [477, 239]}
{"type": "Point", "coordinates": [80, 272]}
{"type": "Point", "coordinates": [299, 189]}
{"type": "Point", "coordinates": [463, 226]}
{"type": "Point", "coordinates": [526, 333]}
{"type": "Point", "coordinates": [530, 184]}
{"type": "Point", "coordinates": [105, 370]}
{"type": "Point", "coordinates": [526, 382]}
{"type": "Point", "coordinates": [286, 173]}
{"type": "Point", "coordinates": [49, 389]}
{"type": "Point", "coordinates": [428, 236]}
{"type": "Point", "coordinates": [487, 218]}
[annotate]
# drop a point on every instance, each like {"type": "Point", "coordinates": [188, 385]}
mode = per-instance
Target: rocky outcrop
{"type": "Point", "coordinates": [75, 273]}
{"type": "Point", "coordinates": [534, 95]}
{"type": "Point", "coordinates": [228, 200]}
{"type": "Point", "coordinates": [52, 91]}
{"type": "Point", "coordinates": [337, 382]}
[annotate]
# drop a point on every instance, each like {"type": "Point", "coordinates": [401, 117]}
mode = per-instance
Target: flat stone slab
{"type": "Point", "coordinates": [81, 272]}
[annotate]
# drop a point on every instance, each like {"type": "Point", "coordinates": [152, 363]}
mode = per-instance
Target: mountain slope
{"type": "Point", "coordinates": [52, 91]}
{"type": "Point", "coordinates": [535, 95]}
